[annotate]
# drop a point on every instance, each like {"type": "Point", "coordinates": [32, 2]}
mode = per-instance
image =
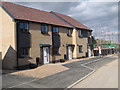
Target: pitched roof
{"type": "Point", "coordinates": [31, 14]}
{"type": "Point", "coordinates": [71, 21]}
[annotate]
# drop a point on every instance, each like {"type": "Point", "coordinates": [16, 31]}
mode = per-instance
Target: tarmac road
{"type": "Point", "coordinates": [63, 79]}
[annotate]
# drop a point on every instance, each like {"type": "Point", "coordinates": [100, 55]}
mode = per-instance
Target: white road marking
{"type": "Point", "coordinates": [87, 67]}
{"type": "Point", "coordinates": [24, 83]}
{"type": "Point", "coordinates": [94, 61]}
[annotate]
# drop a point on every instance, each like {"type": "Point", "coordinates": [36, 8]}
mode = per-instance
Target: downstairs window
{"type": "Point", "coordinates": [25, 52]}
{"type": "Point", "coordinates": [80, 49]}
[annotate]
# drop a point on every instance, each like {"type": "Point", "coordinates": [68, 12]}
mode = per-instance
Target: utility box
{"type": "Point", "coordinates": [65, 56]}
{"type": "Point", "coordinates": [37, 61]}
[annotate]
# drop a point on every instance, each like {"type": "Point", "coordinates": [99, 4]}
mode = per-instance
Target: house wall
{"type": "Point", "coordinates": [8, 41]}
{"type": "Point", "coordinates": [79, 41]}
{"type": "Point", "coordinates": [37, 38]}
{"type": "Point", "coordinates": [64, 39]}
{"type": "Point", "coordinates": [74, 41]}
{"type": "Point", "coordinates": [83, 42]}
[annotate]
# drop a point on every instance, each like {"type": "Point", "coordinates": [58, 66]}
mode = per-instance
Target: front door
{"type": "Point", "coordinates": [69, 52]}
{"type": "Point", "coordinates": [45, 55]}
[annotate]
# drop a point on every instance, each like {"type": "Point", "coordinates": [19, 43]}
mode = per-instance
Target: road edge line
{"type": "Point", "coordinates": [80, 80]}
{"type": "Point", "coordinates": [93, 61]}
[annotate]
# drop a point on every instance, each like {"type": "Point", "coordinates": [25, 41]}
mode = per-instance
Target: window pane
{"type": "Point", "coordinates": [79, 32]}
{"type": "Point", "coordinates": [80, 49]}
{"type": "Point", "coordinates": [46, 28]}
{"type": "Point", "coordinates": [57, 29]}
{"type": "Point", "coordinates": [21, 25]}
{"type": "Point", "coordinates": [67, 31]}
{"type": "Point", "coordinates": [26, 27]}
{"type": "Point", "coordinates": [25, 52]}
{"type": "Point", "coordinates": [53, 29]}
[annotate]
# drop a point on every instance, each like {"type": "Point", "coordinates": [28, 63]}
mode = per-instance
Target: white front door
{"type": "Point", "coordinates": [89, 51]}
{"type": "Point", "coordinates": [69, 53]}
{"type": "Point", "coordinates": [46, 55]}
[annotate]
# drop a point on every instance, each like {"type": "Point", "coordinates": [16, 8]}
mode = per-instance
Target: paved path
{"type": "Point", "coordinates": [76, 71]}
{"type": "Point", "coordinates": [105, 77]}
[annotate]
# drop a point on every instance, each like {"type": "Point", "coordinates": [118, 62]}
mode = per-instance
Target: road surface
{"type": "Point", "coordinates": [77, 70]}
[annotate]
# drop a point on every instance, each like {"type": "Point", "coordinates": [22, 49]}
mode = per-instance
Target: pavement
{"type": "Point", "coordinates": [104, 77]}
{"type": "Point", "coordinates": [64, 79]}
{"type": "Point", "coordinates": [42, 71]}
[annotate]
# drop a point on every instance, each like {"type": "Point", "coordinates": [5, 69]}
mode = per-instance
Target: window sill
{"type": "Point", "coordinates": [80, 36]}
{"type": "Point", "coordinates": [25, 32]}
{"type": "Point", "coordinates": [45, 34]}
{"type": "Point", "coordinates": [56, 33]}
{"type": "Point", "coordinates": [57, 54]}
{"type": "Point", "coordinates": [27, 57]}
{"type": "Point", "coordinates": [69, 35]}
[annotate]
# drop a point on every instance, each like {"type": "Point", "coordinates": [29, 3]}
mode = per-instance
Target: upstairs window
{"type": "Point", "coordinates": [55, 30]}
{"type": "Point", "coordinates": [44, 29]}
{"type": "Point", "coordinates": [25, 52]}
{"type": "Point", "coordinates": [21, 26]}
{"type": "Point", "coordinates": [80, 49]}
{"type": "Point", "coordinates": [69, 32]}
{"type": "Point", "coordinates": [79, 33]}
{"type": "Point", "coordinates": [24, 27]}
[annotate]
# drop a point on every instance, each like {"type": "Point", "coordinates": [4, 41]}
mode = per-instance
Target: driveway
{"type": "Point", "coordinates": [77, 70]}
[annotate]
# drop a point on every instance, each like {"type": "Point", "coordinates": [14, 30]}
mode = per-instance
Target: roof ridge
{"type": "Point", "coordinates": [71, 18]}
{"type": "Point", "coordinates": [59, 13]}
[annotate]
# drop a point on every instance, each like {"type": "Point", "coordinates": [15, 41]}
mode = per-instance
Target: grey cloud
{"type": "Point", "coordinates": [61, 7]}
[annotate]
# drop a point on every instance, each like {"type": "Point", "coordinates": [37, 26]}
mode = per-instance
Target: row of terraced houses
{"type": "Point", "coordinates": [29, 34]}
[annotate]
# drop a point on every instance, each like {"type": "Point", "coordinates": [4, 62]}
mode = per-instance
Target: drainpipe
{"type": "Point", "coordinates": [17, 45]}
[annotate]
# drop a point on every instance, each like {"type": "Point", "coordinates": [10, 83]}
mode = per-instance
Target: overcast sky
{"type": "Point", "coordinates": [100, 16]}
